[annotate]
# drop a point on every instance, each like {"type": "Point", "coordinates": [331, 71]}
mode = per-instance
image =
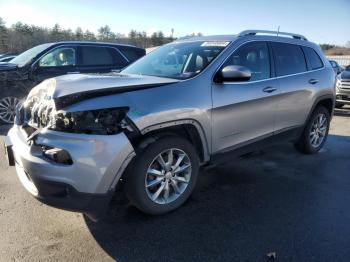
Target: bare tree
{"type": "Point", "coordinates": [79, 35]}
{"type": "Point", "coordinates": [104, 32]}
{"type": "Point", "coordinates": [3, 36]}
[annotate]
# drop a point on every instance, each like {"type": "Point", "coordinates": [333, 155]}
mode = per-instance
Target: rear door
{"type": "Point", "coordinates": [296, 85]}
{"type": "Point", "coordinates": [244, 112]}
{"type": "Point", "coordinates": [58, 61]}
{"type": "Point", "coordinates": [100, 59]}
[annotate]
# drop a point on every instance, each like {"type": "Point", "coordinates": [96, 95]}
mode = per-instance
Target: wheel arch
{"type": "Point", "coordinates": [328, 101]}
{"type": "Point", "coordinates": [187, 128]}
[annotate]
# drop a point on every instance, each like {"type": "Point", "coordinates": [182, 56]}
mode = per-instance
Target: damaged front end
{"type": "Point", "coordinates": [39, 111]}
{"type": "Point", "coordinates": [70, 159]}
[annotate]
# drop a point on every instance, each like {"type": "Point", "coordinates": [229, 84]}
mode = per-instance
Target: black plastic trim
{"type": "Point", "coordinates": [254, 145]}
{"type": "Point", "coordinates": [64, 196]}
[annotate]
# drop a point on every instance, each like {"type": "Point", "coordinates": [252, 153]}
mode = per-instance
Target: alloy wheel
{"type": "Point", "coordinates": [167, 176]}
{"type": "Point", "coordinates": [318, 130]}
{"type": "Point", "coordinates": [8, 109]}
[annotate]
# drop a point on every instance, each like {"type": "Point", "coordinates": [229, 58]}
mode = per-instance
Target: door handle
{"type": "Point", "coordinates": [75, 72]}
{"type": "Point", "coordinates": [269, 89]}
{"type": "Point", "coordinates": [313, 81]}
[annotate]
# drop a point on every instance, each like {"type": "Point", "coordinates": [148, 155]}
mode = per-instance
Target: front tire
{"type": "Point", "coordinates": [316, 131]}
{"type": "Point", "coordinates": [8, 103]}
{"type": "Point", "coordinates": [163, 175]}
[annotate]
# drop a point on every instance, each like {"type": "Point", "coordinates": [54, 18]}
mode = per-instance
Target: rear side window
{"type": "Point", "coordinates": [313, 58]}
{"type": "Point", "coordinates": [132, 54]}
{"type": "Point", "coordinates": [254, 56]}
{"type": "Point", "coordinates": [101, 56]}
{"type": "Point", "coordinates": [289, 59]}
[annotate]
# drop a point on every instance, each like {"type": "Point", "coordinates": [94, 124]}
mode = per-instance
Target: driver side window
{"type": "Point", "coordinates": [64, 56]}
{"type": "Point", "coordinates": [255, 57]}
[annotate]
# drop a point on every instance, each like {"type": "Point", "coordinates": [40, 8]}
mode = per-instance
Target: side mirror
{"type": "Point", "coordinates": [233, 73]}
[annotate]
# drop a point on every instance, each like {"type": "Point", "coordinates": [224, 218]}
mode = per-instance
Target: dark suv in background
{"type": "Point", "coordinates": [54, 59]}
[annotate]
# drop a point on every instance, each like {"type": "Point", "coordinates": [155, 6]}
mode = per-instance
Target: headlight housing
{"type": "Point", "coordinates": [99, 122]}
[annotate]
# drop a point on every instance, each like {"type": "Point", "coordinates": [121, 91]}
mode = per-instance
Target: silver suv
{"type": "Point", "coordinates": [149, 128]}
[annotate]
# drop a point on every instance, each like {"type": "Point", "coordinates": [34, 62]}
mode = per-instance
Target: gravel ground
{"type": "Point", "coordinates": [276, 201]}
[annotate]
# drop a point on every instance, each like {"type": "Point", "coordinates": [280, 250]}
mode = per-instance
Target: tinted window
{"type": "Point", "coordinates": [289, 59]}
{"type": "Point", "coordinates": [64, 56]}
{"type": "Point", "coordinates": [313, 58]}
{"type": "Point", "coordinates": [97, 56]}
{"type": "Point", "coordinates": [132, 54]}
{"type": "Point", "coordinates": [254, 56]}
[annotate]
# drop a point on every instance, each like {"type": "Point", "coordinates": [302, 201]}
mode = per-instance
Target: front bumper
{"type": "Point", "coordinates": [86, 185]}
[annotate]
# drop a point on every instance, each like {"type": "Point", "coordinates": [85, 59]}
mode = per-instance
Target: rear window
{"type": "Point", "coordinates": [313, 58]}
{"type": "Point", "coordinates": [99, 56]}
{"type": "Point", "coordinates": [289, 59]}
{"type": "Point", "coordinates": [132, 54]}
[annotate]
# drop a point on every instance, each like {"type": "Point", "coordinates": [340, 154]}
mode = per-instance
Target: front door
{"type": "Point", "coordinates": [245, 111]}
{"type": "Point", "coordinates": [59, 61]}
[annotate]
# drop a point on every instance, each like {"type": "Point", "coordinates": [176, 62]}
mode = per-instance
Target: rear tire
{"type": "Point", "coordinates": [163, 175]}
{"type": "Point", "coordinates": [316, 131]}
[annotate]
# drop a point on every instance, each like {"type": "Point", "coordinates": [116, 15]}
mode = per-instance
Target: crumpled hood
{"type": "Point", "coordinates": [345, 75]}
{"type": "Point", "coordinates": [69, 89]}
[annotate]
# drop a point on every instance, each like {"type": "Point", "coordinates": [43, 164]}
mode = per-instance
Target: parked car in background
{"type": "Point", "coordinates": [343, 88]}
{"type": "Point", "coordinates": [336, 67]}
{"type": "Point", "coordinates": [28, 69]}
{"type": "Point", "coordinates": [7, 58]}
{"type": "Point", "coordinates": [148, 129]}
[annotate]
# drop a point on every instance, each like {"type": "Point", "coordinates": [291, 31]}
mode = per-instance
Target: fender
{"type": "Point", "coordinates": [196, 124]}
{"type": "Point", "coordinates": [317, 100]}
{"type": "Point", "coordinates": [320, 98]}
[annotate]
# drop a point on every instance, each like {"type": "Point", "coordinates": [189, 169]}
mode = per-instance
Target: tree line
{"type": "Point", "coordinates": [20, 36]}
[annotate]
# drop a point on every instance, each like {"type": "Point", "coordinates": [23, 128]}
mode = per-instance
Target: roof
{"type": "Point", "coordinates": [94, 43]}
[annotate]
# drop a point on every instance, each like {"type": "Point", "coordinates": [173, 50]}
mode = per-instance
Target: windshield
{"type": "Point", "coordinates": [25, 57]}
{"type": "Point", "coordinates": [178, 60]}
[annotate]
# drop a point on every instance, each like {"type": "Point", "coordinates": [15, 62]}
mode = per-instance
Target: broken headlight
{"type": "Point", "coordinates": [99, 122]}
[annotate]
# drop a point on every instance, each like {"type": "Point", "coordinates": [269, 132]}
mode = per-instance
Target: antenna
{"type": "Point", "coordinates": [278, 30]}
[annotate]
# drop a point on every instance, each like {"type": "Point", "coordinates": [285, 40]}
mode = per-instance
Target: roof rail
{"type": "Point", "coordinates": [255, 32]}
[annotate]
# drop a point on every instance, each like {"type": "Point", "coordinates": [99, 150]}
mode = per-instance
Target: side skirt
{"type": "Point", "coordinates": [280, 137]}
